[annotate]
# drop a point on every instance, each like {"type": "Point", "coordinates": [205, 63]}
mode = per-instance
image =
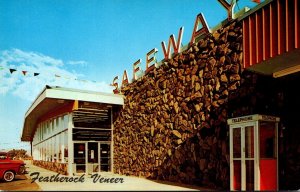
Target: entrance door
{"type": "Point", "coordinates": [93, 157]}
{"type": "Point", "coordinates": [242, 173]}
{"type": "Point", "coordinates": [105, 159]}
{"type": "Point", "coordinates": [79, 157]}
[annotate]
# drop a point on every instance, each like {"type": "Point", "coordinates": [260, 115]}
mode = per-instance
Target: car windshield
{"type": "Point", "coordinates": [3, 155]}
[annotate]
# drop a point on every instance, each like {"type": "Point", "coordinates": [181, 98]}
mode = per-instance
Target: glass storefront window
{"type": "Point", "coordinates": [66, 121]}
{"type": "Point", "coordinates": [66, 143]}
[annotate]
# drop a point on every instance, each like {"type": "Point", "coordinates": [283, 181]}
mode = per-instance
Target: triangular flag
{"type": "Point", "coordinates": [12, 70]}
{"type": "Point", "coordinates": [24, 72]}
{"type": "Point", "coordinates": [36, 74]}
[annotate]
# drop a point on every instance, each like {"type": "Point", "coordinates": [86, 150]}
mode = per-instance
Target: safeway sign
{"type": "Point", "coordinates": [200, 29]}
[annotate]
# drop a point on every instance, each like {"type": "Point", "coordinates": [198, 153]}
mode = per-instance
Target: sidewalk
{"type": "Point", "coordinates": [129, 183]}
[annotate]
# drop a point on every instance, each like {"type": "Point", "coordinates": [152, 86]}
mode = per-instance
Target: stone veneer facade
{"type": "Point", "coordinates": [173, 125]}
{"type": "Point", "coordinates": [61, 168]}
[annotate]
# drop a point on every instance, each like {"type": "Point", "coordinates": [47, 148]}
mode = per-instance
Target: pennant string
{"type": "Point", "coordinates": [25, 72]}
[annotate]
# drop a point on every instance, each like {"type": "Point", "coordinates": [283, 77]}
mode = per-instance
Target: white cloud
{"type": "Point", "coordinates": [81, 63]}
{"type": "Point", "coordinates": [27, 87]}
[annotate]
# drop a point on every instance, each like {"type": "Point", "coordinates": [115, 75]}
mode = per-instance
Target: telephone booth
{"type": "Point", "coordinates": [254, 152]}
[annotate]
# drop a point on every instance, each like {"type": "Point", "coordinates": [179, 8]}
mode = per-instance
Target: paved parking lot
{"type": "Point", "coordinates": [48, 180]}
{"type": "Point", "coordinates": [21, 183]}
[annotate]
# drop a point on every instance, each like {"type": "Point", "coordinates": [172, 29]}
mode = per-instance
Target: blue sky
{"type": "Point", "coordinates": [92, 40]}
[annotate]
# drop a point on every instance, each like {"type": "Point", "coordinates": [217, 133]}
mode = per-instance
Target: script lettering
{"type": "Point", "coordinates": [136, 69]}
{"type": "Point", "coordinates": [229, 7]}
{"type": "Point", "coordinates": [125, 79]}
{"type": "Point", "coordinates": [150, 61]}
{"type": "Point", "coordinates": [116, 85]}
{"type": "Point", "coordinates": [176, 47]}
{"type": "Point", "coordinates": [200, 28]}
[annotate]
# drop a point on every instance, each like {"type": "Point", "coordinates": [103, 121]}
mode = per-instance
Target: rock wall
{"type": "Point", "coordinates": [61, 168]}
{"type": "Point", "coordinates": [173, 124]}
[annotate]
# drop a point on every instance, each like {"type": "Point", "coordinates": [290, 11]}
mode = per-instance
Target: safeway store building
{"type": "Point", "coordinates": [221, 112]}
{"type": "Point", "coordinates": [66, 125]}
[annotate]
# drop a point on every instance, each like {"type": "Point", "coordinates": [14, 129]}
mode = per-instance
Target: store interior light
{"type": "Point", "coordinates": [286, 71]}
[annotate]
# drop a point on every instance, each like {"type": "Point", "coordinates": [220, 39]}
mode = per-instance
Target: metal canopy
{"type": "Point", "coordinates": [271, 38]}
{"type": "Point", "coordinates": [53, 98]}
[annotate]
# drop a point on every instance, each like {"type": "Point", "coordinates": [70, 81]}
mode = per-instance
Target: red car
{"type": "Point", "coordinates": [10, 168]}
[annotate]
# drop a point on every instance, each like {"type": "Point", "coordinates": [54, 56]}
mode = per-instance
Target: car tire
{"type": "Point", "coordinates": [8, 176]}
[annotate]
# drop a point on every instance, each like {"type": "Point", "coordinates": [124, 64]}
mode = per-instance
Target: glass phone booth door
{"type": "Point", "coordinates": [253, 152]}
{"type": "Point", "coordinates": [242, 157]}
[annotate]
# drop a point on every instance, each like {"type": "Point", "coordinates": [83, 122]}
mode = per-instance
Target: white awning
{"type": "Point", "coordinates": [53, 97]}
